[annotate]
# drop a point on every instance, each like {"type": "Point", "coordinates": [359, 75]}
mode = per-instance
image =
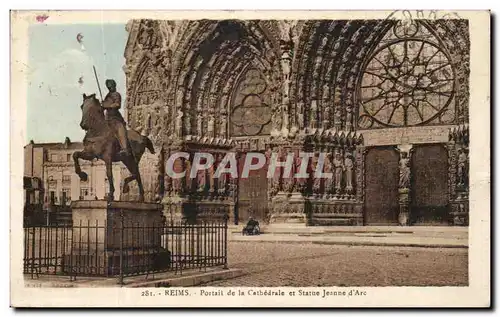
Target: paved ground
{"type": "Point", "coordinates": [281, 264]}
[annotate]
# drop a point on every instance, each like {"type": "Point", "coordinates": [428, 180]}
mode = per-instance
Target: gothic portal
{"type": "Point", "coordinates": [387, 100]}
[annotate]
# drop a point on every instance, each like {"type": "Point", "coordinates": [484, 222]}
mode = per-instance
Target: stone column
{"type": "Point", "coordinates": [404, 183]}
{"type": "Point", "coordinates": [231, 186]}
{"type": "Point", "coordinates": [360, 173]}
{"type": "Point", "coordinates": [458, 172]}
{"type": "Point", "coordinates": [286, 59]}
{"type": "Point", "coordinates": [452, 170]}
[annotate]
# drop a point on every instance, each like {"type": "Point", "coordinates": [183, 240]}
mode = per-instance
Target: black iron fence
{"type": "Point", "coordinates": [35, 216]}
{"type": "Point", "coordinates": [124, 249]}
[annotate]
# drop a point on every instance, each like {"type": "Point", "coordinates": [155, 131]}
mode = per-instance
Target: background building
{"type": "Point", "coordinates": [387, 99]}
{"type": "Point", "coordinates": [53, 164]}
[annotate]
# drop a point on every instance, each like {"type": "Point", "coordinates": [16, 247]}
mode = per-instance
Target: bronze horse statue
{"type": "Point", "coordinates": [100, 143]}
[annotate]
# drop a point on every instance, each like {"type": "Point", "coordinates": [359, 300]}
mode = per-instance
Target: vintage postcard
{"type": "Point", "coordinates": [250, 159]}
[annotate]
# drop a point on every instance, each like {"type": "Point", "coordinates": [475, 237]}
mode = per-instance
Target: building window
{"type": "Point", "coordinates": [68, 157]}
{"type": "Point", "coordinates": [36, 196]}
{"type": "Point", "coordinates": [52, 197]}
{"type": "Point", "coordinates": [52, 183]}
{"type": "Point", "coordinates": [84, 192]}
{"type": "Point", "coordinates": [66, 178]}
{"type": "Point", "coordinates": [66, 196]}
{"type": "Point", "coordinates": [53, 157]}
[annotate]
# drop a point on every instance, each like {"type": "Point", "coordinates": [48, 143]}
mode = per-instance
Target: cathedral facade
{"type": "Point", "coordinates": [387, 100]}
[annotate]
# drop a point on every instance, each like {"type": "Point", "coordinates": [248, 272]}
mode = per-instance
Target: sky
{"type": "Point", "coordinates": [56, 62]}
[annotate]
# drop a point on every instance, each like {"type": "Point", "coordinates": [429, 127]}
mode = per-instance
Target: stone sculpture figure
{"type": "Point", "coordinates": [339, 168]}
{"type": "Point", "coordinates": [178, 122]}
{"type": "Point", "coordinates": [337, 121]}
{"type": "Point", "coordinates": [328, 169]}
{"type": "Point", "coordinates": [278, 118]}
{"type": "Point", "coordinates": [462, 167]}
{"type": "Point", "coordinates": [299, 183]}
{"type": "Point", "coordinates": [326, 117]}
{"type": "Point", "coordinates": [314, 114]}
{"type": "Point", "coordinates": [223, 126]}
{"type": "Point", "coordinates": [211, 125]}
{"type": "Point", "coordinates": [300, 115]}
{"type": "Point", "coordinates": [349, 165]}
{"type": "Point", "coordinates": [404, 171]}
{"type": "Point", "coordinates": [316, 180]}
{"type": "Point", "coordinates": [199, 124]}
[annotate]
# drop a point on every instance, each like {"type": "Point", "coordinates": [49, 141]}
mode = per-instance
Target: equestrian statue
{"type": "Point", "coordinates": [107, 138]}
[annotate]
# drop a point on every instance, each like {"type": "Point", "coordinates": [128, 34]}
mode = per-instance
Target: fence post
{"type": "Point", "coordinates": [226, 217]}
{"type": "Point", "coordinates": [32, 251]}
{"type": "Point", "coordinates": [120, 280]}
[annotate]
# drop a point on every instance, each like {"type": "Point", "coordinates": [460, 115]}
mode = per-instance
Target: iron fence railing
{"type": "Point", "coordinates": [119, 249]}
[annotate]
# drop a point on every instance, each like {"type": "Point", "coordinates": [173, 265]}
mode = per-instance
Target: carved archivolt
{"type": "Point", "coordinates": [328, 57]}
{"type": "Point", "coordinates": [210, 59]}
{"type": "Point", "coordinates": [331, 55]}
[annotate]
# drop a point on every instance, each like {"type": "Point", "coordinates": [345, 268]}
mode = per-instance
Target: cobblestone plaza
{"type": "Point", "coordinates": [275, 264]}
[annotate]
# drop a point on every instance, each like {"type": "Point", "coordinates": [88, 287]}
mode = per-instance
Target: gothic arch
{"type": "Point", "coordinates": [328, 57]}
{"type": "Point", "coordinates": [210, 57]}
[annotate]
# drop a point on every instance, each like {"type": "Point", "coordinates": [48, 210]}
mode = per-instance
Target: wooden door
{"type": "Point", "coordinates": [381, 191]}
{"type": "Point", "coordinates": [252, 194]}
{"type": "Point", "coordinates": [429, 190]}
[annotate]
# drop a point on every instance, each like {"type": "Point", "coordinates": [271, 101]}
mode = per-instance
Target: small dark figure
{"type": "Point", "coordinates": [252, 227]}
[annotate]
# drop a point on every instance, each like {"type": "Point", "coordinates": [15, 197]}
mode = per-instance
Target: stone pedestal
{"type": "Point", "coordinates": [459, 212]}
{"type": "Point", "coordinates": [106, 233]}
{"type": "Point", "coordinates": [404, 209]}
{"type": "Point", "coordinates": [178, 209]}
{"type": "Point", "coordinates": [173, 208]}
{"type": "Point", "coordinates": [335, 212]}
{"type": "Point", "coordinates": [288, 209]}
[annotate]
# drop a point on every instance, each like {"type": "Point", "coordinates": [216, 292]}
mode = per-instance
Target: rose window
{"type": "Point", "coordinates": [407, 82]}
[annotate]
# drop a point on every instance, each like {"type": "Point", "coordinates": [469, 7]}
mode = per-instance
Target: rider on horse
{"type": "Point", "coordinates": [112, 104]}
